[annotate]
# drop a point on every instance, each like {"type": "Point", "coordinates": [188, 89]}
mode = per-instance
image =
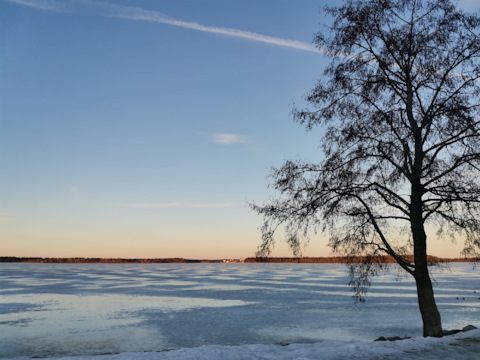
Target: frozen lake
{"type": "Point", "coordinates": [219, 311]}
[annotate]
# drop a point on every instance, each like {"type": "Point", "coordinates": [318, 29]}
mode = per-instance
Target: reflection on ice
{"type": "Point", "coordinates": [81, 309]}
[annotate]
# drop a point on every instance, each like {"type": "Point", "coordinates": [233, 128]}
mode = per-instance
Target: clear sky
{"type": "Point", "coordinates": [141, 128]}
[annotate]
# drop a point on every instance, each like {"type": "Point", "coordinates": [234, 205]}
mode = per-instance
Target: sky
{"type": "Point", "coordinates": [143, 128]}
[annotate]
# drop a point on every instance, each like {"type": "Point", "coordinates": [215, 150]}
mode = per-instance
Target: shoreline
{"type": "Point", "coordinates": [250, 260]}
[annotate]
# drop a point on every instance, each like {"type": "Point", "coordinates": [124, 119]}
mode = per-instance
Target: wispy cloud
{"type": "Point", "coordinates": [227, 139]}
{"type": "Point", "coordinates": [182, 205]}
{"type": "Point", "coordinates": [43, 5]}
{"type": "Point", "coordinates": [135, 13]}
{"type": "Point", "coordinates": [153, 205]}
{"type": "Point", "coordinates": [139, 14]}
{"type": "Point", "coordinates": [213, 205]}
{"type": "Point", "coordinates": [6, 217]}
{"type": "Point", "coordinates": [75, 191]}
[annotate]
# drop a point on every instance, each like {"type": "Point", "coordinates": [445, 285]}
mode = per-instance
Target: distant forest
{"type": "Point", "coordinates": [319, 260]}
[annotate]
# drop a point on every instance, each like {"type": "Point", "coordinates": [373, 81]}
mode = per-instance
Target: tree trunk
{"type": "Point", "coordinates": [432, 323]}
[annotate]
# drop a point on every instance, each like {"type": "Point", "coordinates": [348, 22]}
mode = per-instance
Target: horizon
{"type": "Point", "coordinates": [137, 129]}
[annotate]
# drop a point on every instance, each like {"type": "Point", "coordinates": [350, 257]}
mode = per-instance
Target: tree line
{"type": "Point", "coordinates": [303, 260]}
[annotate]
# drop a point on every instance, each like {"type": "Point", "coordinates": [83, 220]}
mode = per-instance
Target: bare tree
{"type": "Point", "coordinates": [399, 104]}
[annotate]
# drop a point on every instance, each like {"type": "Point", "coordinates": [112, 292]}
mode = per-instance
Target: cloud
{"type": "Point", "coordinates": [134, 13]}
{"type": "Point", "coordinates": [227, 139]}
{"type": "Point", "coordinates": [219, 205]}
{"type": "Point", "coordinates": [42, 5]}
{"type": "Point", "coordinates": [182, 205]}
{"type": "Point", "coordinates": [139, 14]}
{"type": "Point", "coordinates": [154, 205]}
{"type": "Point", "coordinates": [6, 217]}
{"type": "Point", "coordinates": [75, 191]}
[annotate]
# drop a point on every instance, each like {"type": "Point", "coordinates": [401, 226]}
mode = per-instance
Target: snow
{"type": "Point", "coordinates": [225, 311]}
{"type": "Point", "coordinates": [417, 348]}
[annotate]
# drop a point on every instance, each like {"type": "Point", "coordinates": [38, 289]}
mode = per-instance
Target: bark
{"type": "Point", "coordinates": [432, 323]}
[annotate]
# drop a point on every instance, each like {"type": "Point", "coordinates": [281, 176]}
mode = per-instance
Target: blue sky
{"type": "Point", "coordinates": [142, 128]}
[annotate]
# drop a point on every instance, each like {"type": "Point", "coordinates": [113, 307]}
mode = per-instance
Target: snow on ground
{"type": "Point", "coordinates": [463, 346]}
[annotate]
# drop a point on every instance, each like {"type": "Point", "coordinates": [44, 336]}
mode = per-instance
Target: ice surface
{"type": "Point", "coordinates": [225, 311]}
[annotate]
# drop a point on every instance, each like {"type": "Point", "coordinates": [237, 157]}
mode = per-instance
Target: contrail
{"type": "Point", "coordinates": [43, 5]}
{"type": "Point", "coordinates": [134, 13]}
{"type": "Point", "coordinates": [139, 14]}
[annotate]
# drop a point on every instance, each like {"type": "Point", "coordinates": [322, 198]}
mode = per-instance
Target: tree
{"type": "Point", "coordinates": [399, 104]}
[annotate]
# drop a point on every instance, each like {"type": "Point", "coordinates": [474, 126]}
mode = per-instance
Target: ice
{"type": "Point", "coordinates": [225, 311]}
